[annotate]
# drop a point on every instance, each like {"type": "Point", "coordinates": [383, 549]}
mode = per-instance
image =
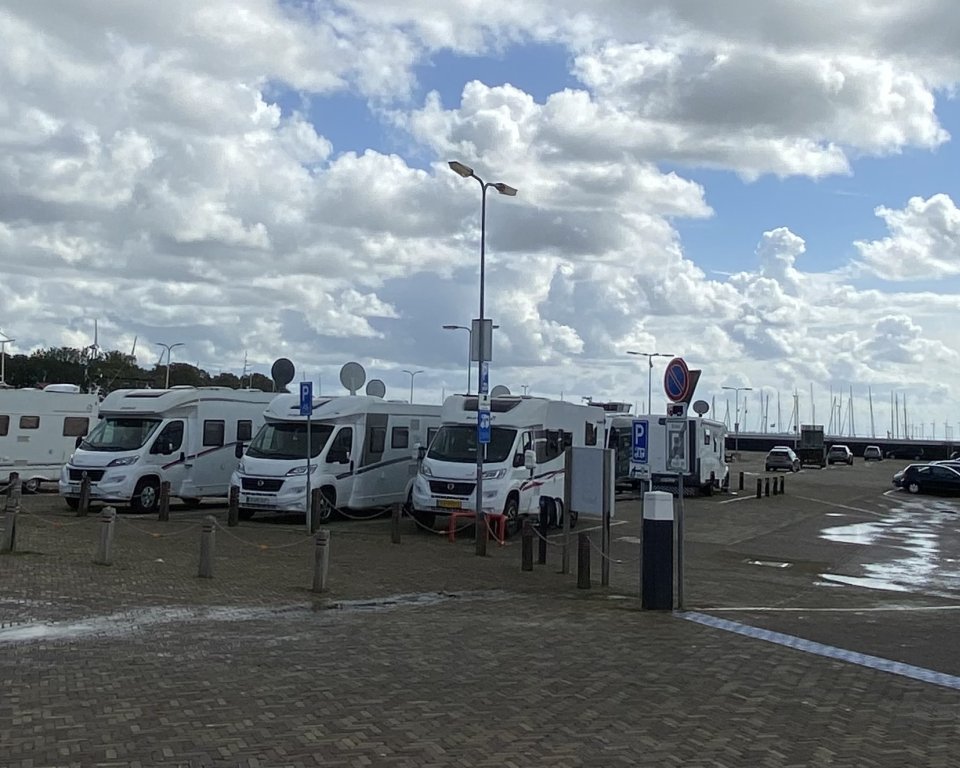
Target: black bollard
{"type": "Point", "coordinates": [395, 523]}
{"type": "Point", "coordinates": [656, 589]}
{"type": "Point", "coordinates": [526, 547]}
{"type": "Point", "coordinates": [163, 504]}
{"type": "Point", "coordinates": [583, 561]}
{"type": "Point", "coordinates": [741, 482]}
{"type": "Point", "coordinates": [233, 507]}
{"type": "Point", "coordinates": [766, 487]}
{"type": "Point", "coordinates": [542, 538]}
{"type": "Point", "coordinates": [759, 487]}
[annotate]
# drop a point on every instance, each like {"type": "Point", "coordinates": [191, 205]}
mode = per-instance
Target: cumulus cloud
{"type": "Point", "coordinates": [924, 241]}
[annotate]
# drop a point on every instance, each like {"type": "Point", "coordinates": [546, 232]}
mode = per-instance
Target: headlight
{"type": "Point", "coordinates": [425, 470]}
{"type": "Point", "coordinates": [126, 461]}
{"type": "Point", "coordinates": [241, 469]}
{"type": "Point", "coordinates": [494, 474]}
{"type": "Point", "coordinates": [301, 470]}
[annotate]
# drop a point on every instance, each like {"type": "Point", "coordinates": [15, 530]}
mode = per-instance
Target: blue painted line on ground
{"type": "Point", "coordinates": [922, 674]}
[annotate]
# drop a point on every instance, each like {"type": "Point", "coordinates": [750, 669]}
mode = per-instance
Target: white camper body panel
{"type": "Point", "coordinates": [39, 429]}
{"type": "Point", "coordinates": [183, 435]}
{"type": "Point", "coordinates": [364, 454]}
{"type": "Point", "coordinates": [705, 441]}
{"type": "Point", "coordinates": [447, 479]}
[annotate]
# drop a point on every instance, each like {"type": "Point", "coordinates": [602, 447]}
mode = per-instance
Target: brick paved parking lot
{"type": "Point", "coordinates": [422, 654]}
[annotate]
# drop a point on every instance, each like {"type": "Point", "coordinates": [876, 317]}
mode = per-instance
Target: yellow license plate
{"type": "Point", "coordinates": [449, 503]}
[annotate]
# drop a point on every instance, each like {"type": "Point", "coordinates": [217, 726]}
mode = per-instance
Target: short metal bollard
{"type": "Point", "coordinates": [741, 482]}
{"type": "Point", "coordinates": [542, 526]}
{"type": "Point", "coordinates": [83, 507]}
{"type": "Point", "coordinates": [759, 487]}
{"type": "Point", "coordinates": [776, 485]}
{"type": "Point", "coordinates": [14, 491]}
{"type": "Point", "coordinates": [104, 554]}
{"type": "Point", "coordinates": [207, 543]}
{"type": "Point", "coordinates": [783, 484]}
{"type": "Point", "coordinates": [321, 560]}
{"type": "Point", "coordinates": [163, 504]}
{"type": "Point", "coordinates": [395, 523]}
{"type": "Point", "coordinates": [233, 507]}
{"type": "Point", "coordinates": [583, 561]}
{"type": "Point", "coordinates": [8, 543]}
{"type": "Point", "coordinates": [766, 486]}
{"type": "Point", "coordinates": [316, 505]}
{"type": "Point", "coordinates": [526, 546]}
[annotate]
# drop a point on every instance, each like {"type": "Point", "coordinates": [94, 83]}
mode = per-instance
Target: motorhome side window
{"type": "Point", "coordinates": [590, 434]}
{"type": "Point", "coordinates": [400, 437]}
{"type": "Point", "coordinates": [29, 422]}
{"type": "Point", "coordinates": [75, 426]}
{"type": "Point", "coordinates": [170, 439]}
{"type": "Point", "coordinates": [213, 432]}
{"type": "Point", "coordinates": [244, 430]}
{"type": "Point", "coordinates": [341, 446]}
{"type": "Point", "coordinates": [549, 445]}
{"type": "Point", "coordinates": [4, 425]}
{"type": "Point", "coordinates": [378, 439]}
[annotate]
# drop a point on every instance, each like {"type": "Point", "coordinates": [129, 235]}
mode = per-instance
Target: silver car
{"type": "Point", "coordinates": [781, 457]}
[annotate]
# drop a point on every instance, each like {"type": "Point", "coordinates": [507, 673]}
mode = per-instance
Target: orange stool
{"type": "Point", "coordinates": [499, 518]}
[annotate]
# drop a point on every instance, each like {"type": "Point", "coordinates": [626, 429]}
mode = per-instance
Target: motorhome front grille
{"type": "Point", "coordinates": [261, 484]}
{"type": "Point", "coordinates": [76, 475]}
{"type": "Point", "coordinates": [444, 487]}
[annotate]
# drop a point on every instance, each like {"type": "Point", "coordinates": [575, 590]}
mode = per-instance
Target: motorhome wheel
{"type": "Point", "coordinates": [32, 485]}
{"type": "Point", "coordinates": [512, 512]}
{"type": "Point", "coordinates": [146, 496]}
{"type": "Point", "coordinates": [328, 504]}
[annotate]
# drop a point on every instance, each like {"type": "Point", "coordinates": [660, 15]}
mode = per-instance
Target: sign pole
{"type": "Point", "coordinates": [607, 500]}
{"type": "Point", "coordinates": [306, 409]}
{"type": "Point", "coordinates": [680, 542]}
{"type": "Point", "coordinates": [567, 498]}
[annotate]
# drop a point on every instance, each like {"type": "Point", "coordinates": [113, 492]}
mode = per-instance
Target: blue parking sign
{"type": "Point", "coordinates": [306, 398]}
{"type": "Point", "coordinates": [483, 427]}
{"type": "Point", "coordinates": [640, 441]}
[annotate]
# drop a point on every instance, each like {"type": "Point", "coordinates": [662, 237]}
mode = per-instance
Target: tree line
{"type": "Point", "coordinates": [110, 370]}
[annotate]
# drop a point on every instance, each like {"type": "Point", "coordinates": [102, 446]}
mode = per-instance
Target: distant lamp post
{"type": "Point", "coordinates": [169, 348]}
{"type": "Point", "coordinates": [469, 345]}
{"type": "Point", "coordinates": [649, 356]}
{"type": "Point", "coordinates": [504, 189]}
{"type": "Point", "coordinates": [412, 374]}
{"type": "Point", "coordinates": [736, 422]}
{"type": "Point", "coordinates": [3, 359]}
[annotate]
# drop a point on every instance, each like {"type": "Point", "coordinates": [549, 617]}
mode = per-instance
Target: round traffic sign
{"type": "Point", "coordinates": [676, 380]}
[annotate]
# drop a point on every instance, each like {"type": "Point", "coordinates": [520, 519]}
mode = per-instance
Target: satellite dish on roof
{"type": "Point", "coordinates": [282, 372]}
{"type": "Point", "coordinates": [376, 388]}
{"type": "Point", "coordinates": [500, 391]}
{"type": "Point", "coordinates": [352, 377]}
{"type": "Point", "coordinates": [700, 407]}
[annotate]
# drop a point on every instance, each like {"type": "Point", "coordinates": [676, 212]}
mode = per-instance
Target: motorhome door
{"type": "Point", "coordinates": [169, 452]}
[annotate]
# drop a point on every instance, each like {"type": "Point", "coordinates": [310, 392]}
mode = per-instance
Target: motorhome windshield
{"type": "Point", "coordinates": [288, 440]}
{"type": "Point", "coordinates": [459, 443]}
{"type": "Point", "coordinates": [116, 433]}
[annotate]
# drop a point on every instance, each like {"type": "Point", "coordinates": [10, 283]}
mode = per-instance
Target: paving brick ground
{"type": "Point", "coordinates": [143, 664]}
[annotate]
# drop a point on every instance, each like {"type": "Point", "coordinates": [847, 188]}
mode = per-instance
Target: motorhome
{"type": "Point", "coordinates": [619, 439]}
{"type": "Point", "coordinates": [39, 428]}
{"type": "Point", "coordinates": [696, 442]}
{"type": "Point", "coordinates": [363, 454]}
{"type": "Point", "coordinates": [521, 428]}
{"type": "Point", "coordinates": [184, 435]}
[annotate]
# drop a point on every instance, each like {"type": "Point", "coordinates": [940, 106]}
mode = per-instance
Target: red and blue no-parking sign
{"type": "Point", "coordinates": [677, 380]}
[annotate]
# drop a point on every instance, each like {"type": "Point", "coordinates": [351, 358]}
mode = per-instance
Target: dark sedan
{"type": "Point", "coordinates": [930, 478]}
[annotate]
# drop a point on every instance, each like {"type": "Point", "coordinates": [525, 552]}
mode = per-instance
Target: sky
{"type": "Point", "coordinates": [768, 191]}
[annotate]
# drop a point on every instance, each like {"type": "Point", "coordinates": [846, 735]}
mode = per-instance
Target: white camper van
{"type": "Point", "coordinates": [447, 478]}
{"type": "Point", "coordinates": [704, 449]}
{"type": "Point", "coordinates": [39, 429]}
{"type": "Point", "coordinates": [183, 434]}
{"type": "Point", "coordinates": [363, 454]}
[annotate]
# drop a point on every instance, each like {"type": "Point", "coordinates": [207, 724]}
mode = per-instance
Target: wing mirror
{"type": "Point", "coordinates": [238, 450]}
{"type": "Point", "coordinates": [530, 460]}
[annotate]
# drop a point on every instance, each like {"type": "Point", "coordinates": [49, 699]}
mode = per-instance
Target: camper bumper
{"type": "Point", "coordinates": [263, 493]}
{"type": "Point", "coordinates": [442, 497]}
{"type": "Point", "coordinates": [111, 484]}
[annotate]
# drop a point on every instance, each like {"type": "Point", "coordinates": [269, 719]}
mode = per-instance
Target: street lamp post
{"type": "Point", "coordinates": [411, 374]}
{"type": "Point", "coordinates": [504, 189]}
{"type": "Point", "coordinates": [736, 423]}
{"type": "Point", "coordinates": [169, 348]}
{"type": "Point", "coordinates": [649, 356]}
{"type": "Point", "coordinates": [469, 345]}
{"type": "Point", "coordinates": [3, 359]}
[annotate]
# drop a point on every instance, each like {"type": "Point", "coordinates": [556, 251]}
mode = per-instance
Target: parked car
{"type": "Point", "coordinates": [898, 476]}
{"type": "Point", "coordinates": [782, 457]}
{"type": "Point", "coordinates": [931, 478]}
{"type": "Point", "coordinates": [839, 454]}
{"type": "Point", "coordinates": [911, 452]}
{"type": "Point", "coordinates": [872, 453]}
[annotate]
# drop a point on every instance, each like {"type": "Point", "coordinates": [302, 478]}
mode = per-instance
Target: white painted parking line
{"type": "Point", "coordinates": [878, 663]}
{"type": "Point", "coordinates": [584, 530]}
{"type": "Point", "coordinates": [841, 506]}
{"type": "Point", "coordinates": [738, 498]}
{"type": "Point", "coordinates": [835, 609]}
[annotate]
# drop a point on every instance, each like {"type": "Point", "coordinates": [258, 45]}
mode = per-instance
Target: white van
{"type": "Point", "coordinates": [447, 478]}
{"type": "Point", "coordinates": [707, 462]}
{"type": "Point", "coordinates": [363, 454]}
{"type": "Point", "coordinates": [185, 435]}
{"type": "Point", "coordinates": [39, 429]}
